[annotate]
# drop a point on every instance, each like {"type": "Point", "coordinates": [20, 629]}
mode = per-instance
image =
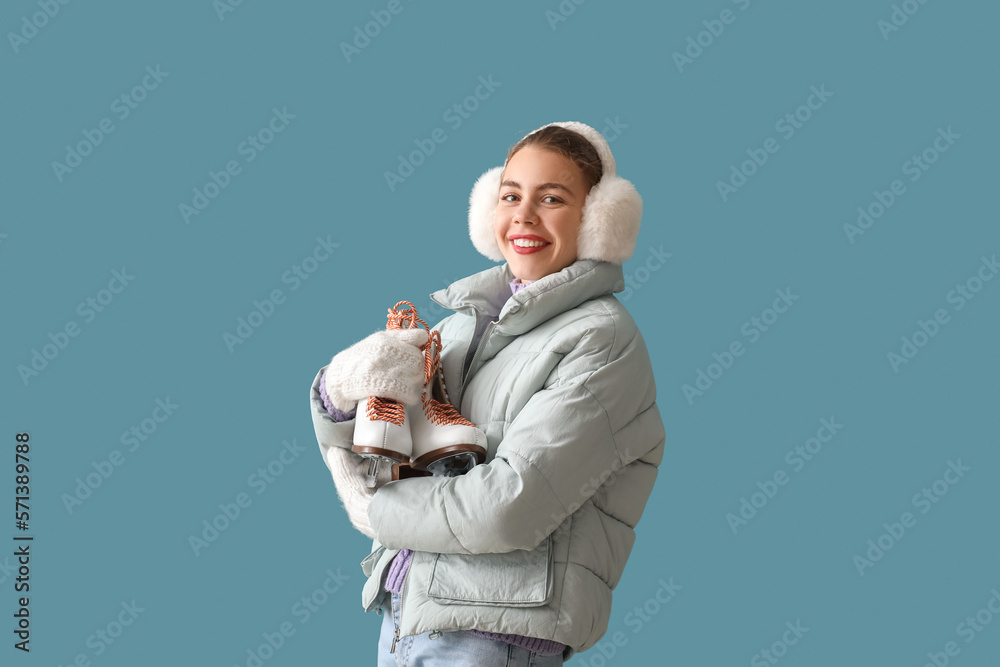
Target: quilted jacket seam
{"type": "Point", "coordinates": [528, 461]}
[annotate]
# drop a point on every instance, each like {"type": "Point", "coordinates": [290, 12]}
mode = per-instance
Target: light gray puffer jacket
{"type": "Point", "coordinates": [533, 541]}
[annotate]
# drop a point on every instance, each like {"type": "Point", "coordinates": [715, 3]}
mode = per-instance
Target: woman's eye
{"type": "Point", "coordinates": [548, 199]}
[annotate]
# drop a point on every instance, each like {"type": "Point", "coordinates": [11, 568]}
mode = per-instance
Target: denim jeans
{"type": "Point", "coordinates": [452, 649]}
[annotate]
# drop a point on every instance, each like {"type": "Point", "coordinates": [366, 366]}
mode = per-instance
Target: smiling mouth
{"type": "Point", "coordinates": [524, 245]}
{"type": "Point", "coordinates": [528, 243]}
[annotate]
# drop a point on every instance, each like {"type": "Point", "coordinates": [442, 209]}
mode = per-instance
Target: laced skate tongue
{"type": "Point", "coordinates": [385, 409]}
{"type": "Point", "coordinates": [446, 413]}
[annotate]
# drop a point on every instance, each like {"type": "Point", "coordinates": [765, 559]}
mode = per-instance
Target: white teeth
{"type": "Point", "coordinates": [525, 243]}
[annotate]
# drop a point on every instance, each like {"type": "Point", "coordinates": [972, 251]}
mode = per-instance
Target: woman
{"type": "Point", "coordinates": [514, 561]}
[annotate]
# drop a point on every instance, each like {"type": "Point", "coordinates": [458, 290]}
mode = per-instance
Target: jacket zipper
{"type": "Point", "coordinates": [402, 598]}
{"type": "Point", "coordinates": [475, 357]}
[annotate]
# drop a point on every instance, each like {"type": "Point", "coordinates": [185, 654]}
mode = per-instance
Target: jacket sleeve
{"type": "Point", "coordinates": [349, 470]}
{"type": "Point", "coordinates": [597, 415]}
{"type": "Point", "coordinates": [329, 433]}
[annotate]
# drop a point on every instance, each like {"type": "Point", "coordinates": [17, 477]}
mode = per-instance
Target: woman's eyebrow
{"type": "Point", "coordinates": [542, 186]}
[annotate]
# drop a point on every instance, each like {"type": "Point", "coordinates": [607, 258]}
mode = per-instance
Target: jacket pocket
{"type": "Point", "coordinates": [376, 568]}
{"type": "Point", "coordinates": [368, 564]}
{"type": "Point", "coordinates": [515, 579]}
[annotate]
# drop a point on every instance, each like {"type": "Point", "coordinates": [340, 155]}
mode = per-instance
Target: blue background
{"type": "Point", "coordinates": [680, 131]}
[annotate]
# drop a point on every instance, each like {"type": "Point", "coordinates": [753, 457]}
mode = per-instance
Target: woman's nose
{"type": "Point", "coordinates": [525, 213]}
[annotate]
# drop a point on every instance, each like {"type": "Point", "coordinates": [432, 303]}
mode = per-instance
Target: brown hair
{"type": "Point", "coordinates": [569, 144]}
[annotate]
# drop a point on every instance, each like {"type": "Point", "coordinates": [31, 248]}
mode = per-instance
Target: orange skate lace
{"type": "Point", "coordinates": [436, 411]}
{"type": "Point", "coordinates": [386, 410]}
{"type": "Point", "coordinates": [439, 413]}
{"type": "Point", "coordinates": [445, 414]}
{"type": "Point", "coordinates": [397, 315]}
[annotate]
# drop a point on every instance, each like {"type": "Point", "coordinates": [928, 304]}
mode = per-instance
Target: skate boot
{"type": "Point", "coordinates": [382, 429]}
{"type": "Point", "coordinates": [444, 442]}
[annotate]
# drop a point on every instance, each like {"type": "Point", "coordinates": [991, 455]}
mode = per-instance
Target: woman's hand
{"type": "Point", "coordinates": [388, 364]}
{"type": "Point", "coordinates": [349, 475]}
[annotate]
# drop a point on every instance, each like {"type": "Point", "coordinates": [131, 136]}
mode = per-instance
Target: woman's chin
{"type": "Point", "coordinates": [528, 269]}
{"type": "Point", "coordinates": [525, 273]}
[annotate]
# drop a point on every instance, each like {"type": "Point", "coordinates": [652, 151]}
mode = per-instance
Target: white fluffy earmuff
{"type": "Point", "coordinates": [611, 212]}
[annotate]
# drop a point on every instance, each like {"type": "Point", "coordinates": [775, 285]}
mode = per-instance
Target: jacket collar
{"type": "Point", "coordinates": [487, 294]}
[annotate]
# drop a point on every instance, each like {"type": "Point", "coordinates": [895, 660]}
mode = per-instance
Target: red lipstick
{"type": "Point", "coordinates": [530, 237]}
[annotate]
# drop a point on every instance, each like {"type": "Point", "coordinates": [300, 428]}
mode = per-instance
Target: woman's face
{"type": "Point", "coordinates": [539, 211]}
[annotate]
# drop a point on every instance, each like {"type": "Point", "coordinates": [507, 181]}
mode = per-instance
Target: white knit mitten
{"type": "Point", "coordinates": [388, 364]}
{"type": "Point", "coordinates": [349, 474]}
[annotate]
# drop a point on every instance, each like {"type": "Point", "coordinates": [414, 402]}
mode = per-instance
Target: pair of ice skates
{"type": "Point", "coordinates": [428, 438]}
